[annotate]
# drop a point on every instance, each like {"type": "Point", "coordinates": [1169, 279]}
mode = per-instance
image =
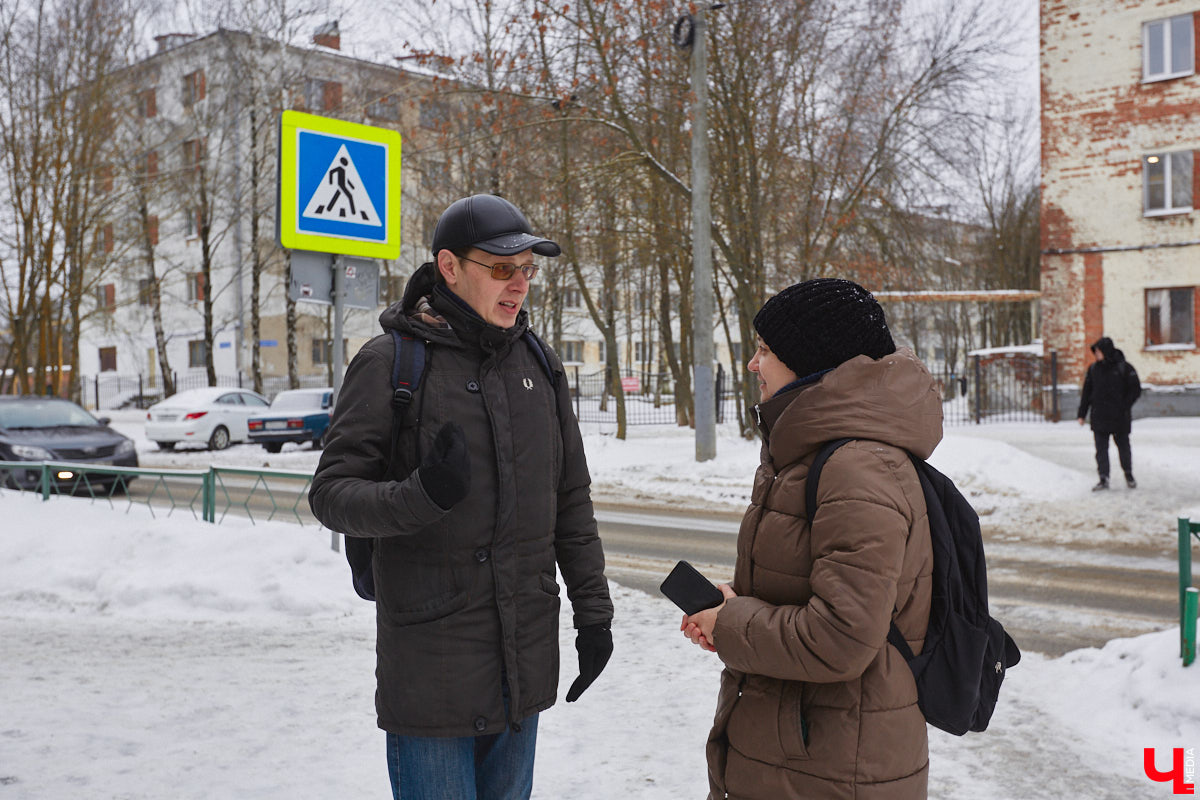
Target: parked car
{"type": "Point", "coordinates": [297, 415]}
{"type": "Point", "coordinates": [213, 416]}
{"type": "Point", "coordinates": [38, 428]}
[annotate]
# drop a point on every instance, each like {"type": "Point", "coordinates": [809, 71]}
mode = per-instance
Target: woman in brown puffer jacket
{"type": "Point", "coordinates": [814, 703]}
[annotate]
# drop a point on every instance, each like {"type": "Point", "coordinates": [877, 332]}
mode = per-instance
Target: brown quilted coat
{"type": "Point", "coordinates": [814, 703]}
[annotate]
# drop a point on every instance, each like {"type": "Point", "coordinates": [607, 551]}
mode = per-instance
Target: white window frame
{"type": "Point", "coordinates": [572, 352]}
{"type": "Point", "coordinates": [1166, 25]}
{"type": "Point", "coordinates": [1165, 159]}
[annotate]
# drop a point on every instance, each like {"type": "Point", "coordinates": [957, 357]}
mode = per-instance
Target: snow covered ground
{"type": "Point", "coordinates": [152, 658]}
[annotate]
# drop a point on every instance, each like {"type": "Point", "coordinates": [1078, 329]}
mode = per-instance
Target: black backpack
{"type": "Point", "coordinates": [408, 366]}
{"type": "Point", "coordinates": [966, 652]}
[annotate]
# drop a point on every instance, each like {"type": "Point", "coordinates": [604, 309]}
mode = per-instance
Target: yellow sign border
{"type": "Point", "coordinates": [290, 122]}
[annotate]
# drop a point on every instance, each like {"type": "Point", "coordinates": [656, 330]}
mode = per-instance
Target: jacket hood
{"type": "Point", "coordinates": [431, 311]}
{"type": "Point", "coordinates": [1111, 353]}
{"type": "Point", "coordinates": [893, 400]}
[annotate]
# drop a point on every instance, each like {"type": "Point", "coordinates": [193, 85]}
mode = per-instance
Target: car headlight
{"type": "Point", "coordinates": [125, 448]}
{"type": "Point", "coordinates": [30, 453]}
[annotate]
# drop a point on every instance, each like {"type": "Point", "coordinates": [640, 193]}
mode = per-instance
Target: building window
{"type": "Point", "coordinates": [1168, 48]}
{"type": "Point", "coordinates": [196, 286]}
{"type": "Point", "coordinates": [193, 154]}
{"type": "Point", "coordinates": [193, 88]}
{"type": "Point", "coordinates": [1167, 181]}
{"type": "Point", "coordinates": [150, 166]}
{"type": "Point", "coordinates": [572, 352]}
{"type": "Point", "coordinates": [194, 219]}
{"type": "Point", "coordinates": [106, 238]}
{"type": "Point", "coordinates": [385, 108]}
{"type": "Point", "coordinates": [108, 359]}
{"type": "Point", "coordinates": [643, 352]}
{"type": "Point", "coordinates": [1171, 317]}
{"type": "Point", "coordinates": [196, 353]}
{"type": "Point", "coordinates": [152, 229]}
{"type": "Point", "coordinates": [322, 350]}
{"type": "Point", "coordinates": [145, 291]}
{"type": "Point", "coordinates": [147, 103]}
{"type": "Point", "coordinates": [603, 351]}
{"type": "Point", "coordinates": [572, 297]}
{"type": "Point", "coordinates": [106, 296]}
{"type": "Point", "coordinates": [322, 95]}
{"type": "Point", "coordinates": [434, 114]}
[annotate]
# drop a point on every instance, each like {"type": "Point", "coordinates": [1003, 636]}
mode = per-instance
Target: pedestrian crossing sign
{"type": "Point", "coordinates": [339, 187]}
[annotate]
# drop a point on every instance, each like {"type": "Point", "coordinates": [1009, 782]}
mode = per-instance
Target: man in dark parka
{"type": "Point", "coordinates": [1110, 390]}
{"type": "Point", "coordinates": [487, 492]}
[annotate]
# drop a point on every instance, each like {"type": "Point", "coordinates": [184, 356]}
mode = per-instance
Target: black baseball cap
{"type": "Point", "coordinates": [490, 223]}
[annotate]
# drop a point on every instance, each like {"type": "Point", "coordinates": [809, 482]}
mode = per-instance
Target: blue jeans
{"type": "Point", "coordinates": [494, 767]}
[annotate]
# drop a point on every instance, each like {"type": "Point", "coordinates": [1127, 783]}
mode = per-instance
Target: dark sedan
{"type": "Point", "coordinates": [297, 415]}
{"type": "Point", "coordinates": [36, 428]}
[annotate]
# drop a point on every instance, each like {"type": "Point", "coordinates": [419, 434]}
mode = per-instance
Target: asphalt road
{"type": "Point", "coordinates": [1050, 599]}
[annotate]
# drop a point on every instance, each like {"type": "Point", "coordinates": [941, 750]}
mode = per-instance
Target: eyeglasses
{"type": "Point", "coordinates": [503, 271]}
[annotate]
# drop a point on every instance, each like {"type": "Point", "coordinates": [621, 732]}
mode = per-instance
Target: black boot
{"type": "Point", "coordinates": [1129, 481]}
{"type": "Point", "coordinates": [1101, 486]}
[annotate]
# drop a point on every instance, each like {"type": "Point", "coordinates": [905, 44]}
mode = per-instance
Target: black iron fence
{"type": "Point", "coordinates": [999, 387]}
{"type": "Point", "coordinates": [649, 397]}
{"type": "Point", "coordinates": [1002, 387]}
{"type": "Point", "coordinates": [110, 390]}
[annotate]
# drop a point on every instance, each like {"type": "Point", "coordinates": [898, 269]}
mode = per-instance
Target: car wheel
{"type": "Point", "coordinates": [273, 447]}
{"type": "Point", "coordinates": [319, 442]}
{"type": "Point", "coordinates": [165, 445]}
{"type": "Point", "coordinates": [219, 439]}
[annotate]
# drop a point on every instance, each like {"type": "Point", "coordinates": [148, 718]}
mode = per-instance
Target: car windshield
{"type": "Point", "coordinates": [44, 414]}
{"type": "Point", "coordinates": [287, 401]}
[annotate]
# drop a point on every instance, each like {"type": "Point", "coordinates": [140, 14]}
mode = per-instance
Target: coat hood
{"type": "Point", "coordinates": [1111, 353]}
{"type": "Point", "coordinates": [893, 400]}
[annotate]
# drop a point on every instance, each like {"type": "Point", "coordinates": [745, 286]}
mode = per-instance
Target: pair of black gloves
{"type": "Point", "coordinates": [445, 476]}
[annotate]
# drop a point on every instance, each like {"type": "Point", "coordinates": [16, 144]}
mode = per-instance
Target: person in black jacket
{"type": "Point", "coordinates": [1110, 390]}
{"type": "Point", "coordinates": [484, 492]}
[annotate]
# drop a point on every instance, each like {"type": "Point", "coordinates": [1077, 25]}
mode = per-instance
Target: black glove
{"type": "Point", "coordinates": [446, 471]}
{"type": "Point", "coordinates": [594, 644]}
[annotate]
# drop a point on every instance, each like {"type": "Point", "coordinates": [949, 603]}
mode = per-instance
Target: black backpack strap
{"type": "Point", "coordinates": [539, 351]}
{"type": "Point", "coordinates": [814, 476]}
{"type": "Point", "coordinates": [408, 363]}
{"type": "Point", "coordinates": [810, 508]}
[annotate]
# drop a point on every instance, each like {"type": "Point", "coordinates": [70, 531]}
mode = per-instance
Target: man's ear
{"type": "Point", "coordinates": [448, 266]}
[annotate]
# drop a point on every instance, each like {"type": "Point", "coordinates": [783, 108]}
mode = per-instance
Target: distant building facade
{"type": "Point", "coordinates": [1120, 225]}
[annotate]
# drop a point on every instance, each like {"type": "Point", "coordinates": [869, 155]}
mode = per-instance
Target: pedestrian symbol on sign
{"type": "Point", "coordinates": [341, 195]}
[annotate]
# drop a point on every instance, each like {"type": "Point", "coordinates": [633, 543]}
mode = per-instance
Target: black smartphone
{"type": "Point", "coordinates": [690, 590]}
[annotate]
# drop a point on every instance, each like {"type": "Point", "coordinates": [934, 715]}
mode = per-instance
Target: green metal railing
{"type": "Point", "coordinates": [1189, 596]}
{"type": "Point", "coordinates": [210, 494]}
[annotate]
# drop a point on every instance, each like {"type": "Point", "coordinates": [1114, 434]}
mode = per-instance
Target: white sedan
{"type": "Point", "coordinates": [213, 416]}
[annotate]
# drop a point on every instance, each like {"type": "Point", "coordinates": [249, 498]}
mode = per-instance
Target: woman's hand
{"type": "Point", "coordinates": [699, 626]}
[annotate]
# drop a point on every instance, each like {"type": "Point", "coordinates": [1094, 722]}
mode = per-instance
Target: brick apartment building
{"type": "Point", "coordinates": [1120, 227]}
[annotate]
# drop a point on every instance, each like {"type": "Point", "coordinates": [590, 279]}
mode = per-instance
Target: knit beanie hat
{"type": "Point", "coordinates": [818, 324]}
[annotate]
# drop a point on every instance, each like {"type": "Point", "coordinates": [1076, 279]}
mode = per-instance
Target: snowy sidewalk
{"type": "Point", "coordinates": [146, 658]}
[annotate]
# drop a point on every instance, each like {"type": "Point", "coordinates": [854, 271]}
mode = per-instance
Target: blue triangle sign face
{"type": "Point", "coordinates": [341, 196]}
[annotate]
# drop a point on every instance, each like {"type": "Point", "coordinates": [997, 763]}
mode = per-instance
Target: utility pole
{"type": "Point", "coordinates": [690, 30]}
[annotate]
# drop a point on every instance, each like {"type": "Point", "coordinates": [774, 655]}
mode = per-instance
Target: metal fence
{"type": "Point", "coordinates": [649, 397]}
{"type": "Point", "coordinates": [110, 390]}
{"type": "Point", "coordinates": [1002, 387]}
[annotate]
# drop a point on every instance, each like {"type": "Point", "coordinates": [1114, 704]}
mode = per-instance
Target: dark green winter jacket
{"type": "Point", "coordinates": [465, 596]}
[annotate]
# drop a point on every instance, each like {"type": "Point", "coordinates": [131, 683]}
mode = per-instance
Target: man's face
{"type": "Point", "coordinates": [497, 301]}
{"type": "Point", "coordinates": [772, 373]}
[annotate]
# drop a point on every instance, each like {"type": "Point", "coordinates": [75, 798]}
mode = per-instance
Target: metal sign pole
{"type": "Point", "coordinates": [702, 303]}
{"type": "Point", "coordinates": [339, 300]}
